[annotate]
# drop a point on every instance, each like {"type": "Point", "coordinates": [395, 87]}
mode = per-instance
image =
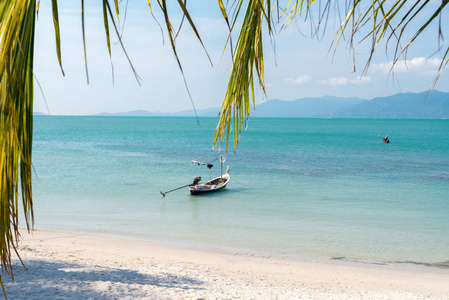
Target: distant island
{"type": "Point", "coordinates": [400, 106]}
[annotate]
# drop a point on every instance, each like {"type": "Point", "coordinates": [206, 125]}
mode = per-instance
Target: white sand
{"type": "Point", "coordinates": [70, 266]}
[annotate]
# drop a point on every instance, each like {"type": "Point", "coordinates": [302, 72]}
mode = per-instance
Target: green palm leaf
{"type": "Point", "coordinates": [16, 121]}
{"type": "Point", "coordinates": [54, 5]}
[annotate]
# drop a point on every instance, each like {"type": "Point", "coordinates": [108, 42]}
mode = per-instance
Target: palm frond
{"type": "Point", "coordinates": [120, 39]}
{"type": "Point", "coordinates": [248, 63]}
{"type": "Point", "coordinates": [389, 20]}
{"type": "Point", "coordinates": [84, 40]}
{"type": "Point", "coordinates": [54, 4]}
{"type": "Point", "coordinates": [248, 57]}
{"type": "Point", "coordinates": [379, 20]}
{"type": "Point", "coordinates": [17, 19]}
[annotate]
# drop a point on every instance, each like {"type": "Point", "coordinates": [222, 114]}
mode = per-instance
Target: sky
{"type": "Point", "coordinates": [296, 66]}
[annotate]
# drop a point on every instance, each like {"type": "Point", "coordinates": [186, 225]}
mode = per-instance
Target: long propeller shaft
{"type": "Point", "coordinates": [196, 180]}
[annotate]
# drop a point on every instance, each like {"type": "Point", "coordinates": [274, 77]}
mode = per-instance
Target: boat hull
{"type": "Point", "coordinates": [210, 186]}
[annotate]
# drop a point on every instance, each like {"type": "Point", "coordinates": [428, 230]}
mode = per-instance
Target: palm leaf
{"type": "Point", "coordinates": [248, 56]}
{"type": "Point", "coordinates": [84, 40]}
{"type": "Point", "coordinates": [192, 25]}
{"type": "Point", "coordinates": [120, 40]}
{"type": "Point", "coordinates": [17, 19]}
{"type": "Point", "coordinates": [54, 5]}
{"type": "Point", "coordinates": [106, 29]}
{"type": "Point", "coordinates": [382, 15]}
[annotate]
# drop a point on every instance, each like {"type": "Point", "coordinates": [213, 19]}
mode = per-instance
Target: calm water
{"type": "Point", "coordinates": [300, 188]}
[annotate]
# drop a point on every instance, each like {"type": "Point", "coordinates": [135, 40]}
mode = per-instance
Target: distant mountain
{"type": "Point", "coordinates": [134, 113]}
{"type": "Point", "coordinates": [323, 107]}
{"type": "Point", "coordinates": [404, 105]}
{"type": "Point", "coordinates": [208, 112]}
{"type": "Point", "coordinates": [37, 113]}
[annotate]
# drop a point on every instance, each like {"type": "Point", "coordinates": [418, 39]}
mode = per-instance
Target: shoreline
{"type": "Point", "coordinates": [403, 265]}
{"type": "Point", "coordinates": [70, 265]}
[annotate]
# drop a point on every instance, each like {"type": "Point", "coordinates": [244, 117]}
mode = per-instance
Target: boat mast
{"type": "Point", "coordinates": [210, 176]}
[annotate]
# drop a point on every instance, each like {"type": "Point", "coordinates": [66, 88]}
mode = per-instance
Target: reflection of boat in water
{"type": "Point", "coordinates": [210, 186]}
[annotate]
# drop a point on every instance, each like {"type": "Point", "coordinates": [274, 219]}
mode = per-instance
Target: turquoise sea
{"type": "Point", "coordinates": [314, 189]}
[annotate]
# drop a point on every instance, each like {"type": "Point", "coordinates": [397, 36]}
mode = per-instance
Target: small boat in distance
{"type": "Point", "coordinates": [210, 186]}
{"type": "Point", "coordinates": [386, 140]}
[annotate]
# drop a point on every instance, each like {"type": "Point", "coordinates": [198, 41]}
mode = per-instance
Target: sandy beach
{"type": "Point", "coordinates": [79, 266]}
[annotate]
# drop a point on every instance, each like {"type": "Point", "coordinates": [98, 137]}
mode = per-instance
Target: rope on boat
{"type": "Point", "coordinates": [199, 160]}
{"type": "Point", "coordinates": [195, 162]}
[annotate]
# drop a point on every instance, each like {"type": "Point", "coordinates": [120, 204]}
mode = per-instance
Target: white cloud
{"type": "Point", "coordinates": [340, 81]}
{"type": "Point", "coordinates": [334, 81]}
{"type": "Point", "coordinates": [299, 80]}
{"type": "Point", "coordinates": [419, 65]}
{"type": "Point", "coordinates": [361, 80]}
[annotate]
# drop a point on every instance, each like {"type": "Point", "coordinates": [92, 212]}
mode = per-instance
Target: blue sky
{"type": "Point", "coordinates": [296, 66]}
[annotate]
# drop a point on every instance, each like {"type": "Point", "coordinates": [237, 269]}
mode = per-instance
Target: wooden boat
{"type": "Point", "coordinates": [212, 185]}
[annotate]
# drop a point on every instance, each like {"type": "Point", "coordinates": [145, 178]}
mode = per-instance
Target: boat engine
{"type": "Point", "coordinates": [196, 179]}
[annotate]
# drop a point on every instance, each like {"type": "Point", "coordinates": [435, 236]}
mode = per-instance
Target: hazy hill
{"type": "Point", "coordinates": [208, 112]}
{"type": "Point", "coordinates": [134, 113]}
{"type": "Point", "coordinates": [323, 107]}
{"type": "Point", "coordinates": [404, 105]}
